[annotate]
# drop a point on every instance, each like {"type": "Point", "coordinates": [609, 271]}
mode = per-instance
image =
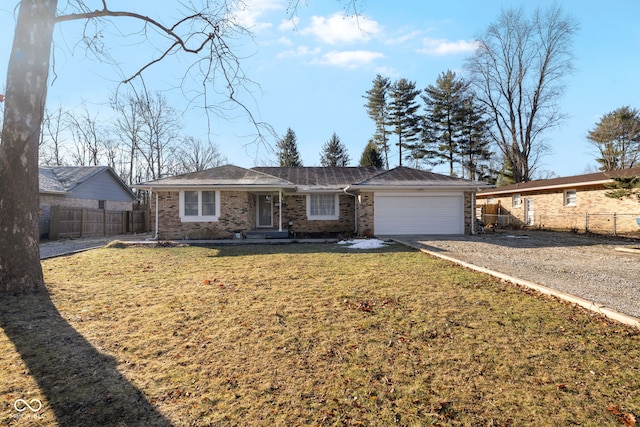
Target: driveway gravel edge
{"type": "Point", "coordinates": [589, 305]}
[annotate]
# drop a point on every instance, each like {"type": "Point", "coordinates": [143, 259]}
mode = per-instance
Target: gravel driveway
{"type": "Point", "coordinates": [589, 267]}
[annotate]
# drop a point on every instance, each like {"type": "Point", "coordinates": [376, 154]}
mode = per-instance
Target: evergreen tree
{"type": "Point", "coordinates": [445, 112]}
{"type": "Point", "coordinates": [423, 151]}
{"type": "Point", "coordinates": [371, 156]}
{"type": "Point", "coordinates": [617, 138]}
{"type": "Point", "coordinates": [334, 153]}
{"type": "Point", "coordinates": [378, 109]}
{"type": "Point", "coordinates": [403, 114]}
{"type": "Point", "coordinates": [474, 141]}
{"type": "Point", "coordinates": [288, 150]}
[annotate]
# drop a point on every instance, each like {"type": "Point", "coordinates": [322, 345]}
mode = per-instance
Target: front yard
{"type": "Point", "coordinates": [318, 335]}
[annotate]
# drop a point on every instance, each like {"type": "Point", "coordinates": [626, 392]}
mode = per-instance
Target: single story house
{"type": "Point", "coordinates": [87, 187]}
{"type": "Point", "coordinates": [231, 201]}
{"type": "Point", "coordinates": [576, 203]}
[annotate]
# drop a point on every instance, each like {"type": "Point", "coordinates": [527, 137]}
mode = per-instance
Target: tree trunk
{"type": "Point", "coordinates": [26, 90]}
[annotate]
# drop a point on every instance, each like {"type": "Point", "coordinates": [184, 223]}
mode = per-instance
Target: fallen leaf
{"type": "Point", "coordinates": [625, 418]}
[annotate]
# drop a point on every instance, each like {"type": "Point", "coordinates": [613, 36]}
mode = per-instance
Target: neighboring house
{"type": "Point", "coordinates": [89, 187]}
{"type": "Point", "coordinates": [577, 203]}
{"type": "Point", "coordinates": [230, 201]}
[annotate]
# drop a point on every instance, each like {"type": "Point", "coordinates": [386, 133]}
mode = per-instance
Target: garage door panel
{"type": "Point", "coordinates": [418, 214]}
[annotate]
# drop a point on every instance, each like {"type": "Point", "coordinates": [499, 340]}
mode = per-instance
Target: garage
{"type": "Point", "coordinates": [402, 213]}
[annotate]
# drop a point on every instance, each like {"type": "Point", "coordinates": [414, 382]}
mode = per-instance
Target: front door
{"type": "Point", "coordinates": [528, 211]}
{"type": "Point", "coordinates": [265, 210]}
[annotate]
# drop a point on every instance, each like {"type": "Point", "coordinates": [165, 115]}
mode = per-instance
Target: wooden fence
{"type": "Point", "coordinates": [67, 222]}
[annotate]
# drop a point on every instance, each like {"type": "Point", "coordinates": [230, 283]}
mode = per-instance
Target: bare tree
{"type": "Point", "coordinates": [53, 137]}
{"type": "Point", "coordinates": [195, 155]}
{"type": "Point", "coordinates": [127, 127]}
{"type": "Point", "coordinates": [518, 71]}
{"type": "Point", "coordinates": [158, 133]}
{"type": "Point", "coordinates": [200, 31]}
{"type": "Point", "coordinates": [89, 137]}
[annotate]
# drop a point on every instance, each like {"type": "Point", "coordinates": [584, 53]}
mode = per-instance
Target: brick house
{"type": "Point", "coordinates": [576, 203]}
{"type": "Point", "coordinates": [230, 201]}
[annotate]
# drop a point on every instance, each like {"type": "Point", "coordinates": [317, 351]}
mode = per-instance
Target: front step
{"type": "Point", "coordinates": [267, 234]}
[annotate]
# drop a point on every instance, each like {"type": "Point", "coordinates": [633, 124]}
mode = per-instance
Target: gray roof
{"type": "Point", "coordinates": [407, 177]}
{"type": "Point", "coordinates": [311, 178]}
{"type": "Point", "coordinates": [64, 179]}
{"type": "Point", "coordinates": [49, 182]}
{"type": "Point", "coordinates": [321, 178]}
{"type": "Point", "coordinates": [221, 176]}
{"type": "Point", "coordinates": [67, 179]}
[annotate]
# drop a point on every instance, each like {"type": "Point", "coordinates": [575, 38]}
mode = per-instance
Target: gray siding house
{"type": "Point", "coordinates": [88, 187]}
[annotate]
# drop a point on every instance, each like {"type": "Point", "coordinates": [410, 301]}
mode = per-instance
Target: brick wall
{"type": "Point", "coordinates": [238, 214]}
{"type": "Point", "coordinates": [294, 209]}
{"type": "Point", "coordinates": [365, 215]}
{"type": "Point", "coordinates": [468, 211]}
{"type": "Point", "coordinates": [593, 210]}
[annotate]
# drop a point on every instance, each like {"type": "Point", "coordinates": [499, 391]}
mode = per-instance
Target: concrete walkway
{"type": "Point", "coordinates": [56, 248]}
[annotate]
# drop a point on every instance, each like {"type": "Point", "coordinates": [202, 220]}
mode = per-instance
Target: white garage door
{"type": "Point", "coordinates": [417, 213]}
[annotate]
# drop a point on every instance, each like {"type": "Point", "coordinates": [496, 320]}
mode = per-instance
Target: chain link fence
{"type": "Point", "coordinates": [616, 224]}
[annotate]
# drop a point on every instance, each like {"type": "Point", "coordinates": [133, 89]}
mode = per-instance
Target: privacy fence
{"type": "Point", "coordinates": [68, 222]}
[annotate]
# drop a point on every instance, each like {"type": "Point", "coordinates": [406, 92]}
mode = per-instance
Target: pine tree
{"type": "Point", "coordinates": [403, 114]}
{"type": "Point", "coordinates": [445, 111]}
{"type": "Point", "coordinates": [288, 150]}
{"type": "Point", "coordinates": [371, 156]}
{"type": "Point", "coordinates": [378, 109]}
{"type": "Point", "coordinates": [474, 140]}
{"type": "Point", "coordinates": [617, 138]}
{"type": "Point", "coordinates": [334, 153]}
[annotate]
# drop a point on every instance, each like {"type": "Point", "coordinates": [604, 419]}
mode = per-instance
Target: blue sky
{"type": "Point", "coordinates": [314, 70]}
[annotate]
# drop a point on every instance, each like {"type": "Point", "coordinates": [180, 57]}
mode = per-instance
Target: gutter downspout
{"type": "Point", "coordinates": [156, 236]}
{"type": "Point", "coordinates": [473, 212]}
{"type": "Point", "coordinates": [280, 210]}
{"type": "Point", "coordinates": [355, 200]}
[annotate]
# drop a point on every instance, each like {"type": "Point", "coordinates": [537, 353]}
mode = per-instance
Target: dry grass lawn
{"type": "Point", "coordinates": [316, 335]}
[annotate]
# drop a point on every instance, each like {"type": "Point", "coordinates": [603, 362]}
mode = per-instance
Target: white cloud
{"type": "Point", "coordinates": [349, 59]}
{"type": "Point", "coordinates": [339, 28]}
{"type": "Point", "coordinates": [289, 24]}
{"type": "Point", "coordinates": [300, 51]}
{"type": "Point", "coordinates": [285, 41]}
{"type": "Point", "coordinates": [446, 47]}
{"type": "Point", "coordinates": [388, 71]}
{"type": "Point", "coordinates": [401, 37]}
{"type": "Point", "coordinates": [252, 11]}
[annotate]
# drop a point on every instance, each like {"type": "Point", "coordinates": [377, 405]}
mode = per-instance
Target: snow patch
{"type": "Point", "coordinates": [363, 243]}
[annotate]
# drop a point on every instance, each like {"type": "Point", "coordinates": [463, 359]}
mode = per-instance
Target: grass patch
{"type": "Point", "coordinates": [315, 335]}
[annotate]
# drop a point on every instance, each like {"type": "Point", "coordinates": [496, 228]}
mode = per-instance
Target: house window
{"type": "Point", "coordinates": [570, 198]}
{"type": "Point", "coordinates": [199, 206]}
{"type": "Point", "coordinates": [491, 201]}
{"type": "Point", "coordinates": [101, 204]}
{"type": "Point", "coordinates": [322, 206]}
{"type": "Point", "coordinates": [516, 202]}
